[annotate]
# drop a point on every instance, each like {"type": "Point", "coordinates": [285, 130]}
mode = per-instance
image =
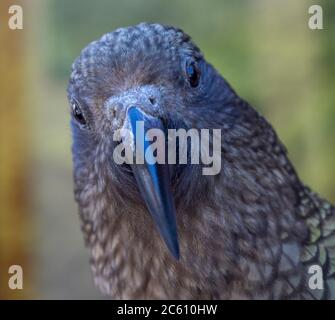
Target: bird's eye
{"type": "Point", "coordinates": [78, 114]}
{"type": "Point", "coordinates": [192, 73]}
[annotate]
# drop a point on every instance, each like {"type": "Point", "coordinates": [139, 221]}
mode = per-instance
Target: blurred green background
{"type": "Point", "coordinates": [263, 48]}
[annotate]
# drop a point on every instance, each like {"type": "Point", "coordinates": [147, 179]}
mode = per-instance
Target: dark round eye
{"type": "Point", "coordinates": [78, 114]}
{"type": "Point", "coordinates": [193, 74]}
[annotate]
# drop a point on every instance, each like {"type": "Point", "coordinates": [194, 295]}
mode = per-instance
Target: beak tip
{"type": "Point", "coordinates": [174, 249]}
{"type": "Point", "coordinates": [176, 254]}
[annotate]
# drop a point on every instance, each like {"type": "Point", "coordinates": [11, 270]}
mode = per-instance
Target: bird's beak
{"type": "Point", "coordinates": [153, 180]}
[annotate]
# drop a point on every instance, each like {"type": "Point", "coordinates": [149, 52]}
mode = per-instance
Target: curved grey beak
{"type": "Point", "coordinates": [153, 179]}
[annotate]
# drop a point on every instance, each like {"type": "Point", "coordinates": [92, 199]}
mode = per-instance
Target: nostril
{"type": "Point", "coordinates": [152, 100]}
{"type": "Point", "coordinates": [113, 113]}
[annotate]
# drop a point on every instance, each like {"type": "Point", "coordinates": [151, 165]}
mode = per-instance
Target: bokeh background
{"type": "Point", "coordinates": [263, 48]}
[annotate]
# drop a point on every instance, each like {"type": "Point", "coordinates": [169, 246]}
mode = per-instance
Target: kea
{"type": "Point", "coordinates": [168, 231]}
